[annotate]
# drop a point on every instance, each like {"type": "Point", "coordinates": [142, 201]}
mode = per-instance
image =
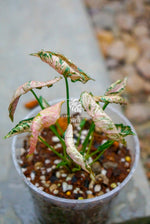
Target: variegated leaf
{"type": "Point", "coordinates": [124, 130]}
{"type": "Point", "coordinates": [63, 66]}
{"type": "Point", "coordinates": [24, 89]}
{"type": "Point", "coordinates": [72, 151]}
{"type": "Point", "coordinates": [110, 99]}
{"type": "Point", "coordinates": [21, 127]}
{"type": "Point", "coordinates": [43, 119]}
{"type": "Point", "coordinates": [116, 87]}
{"type": "Point", "coordinates": [102, 121]}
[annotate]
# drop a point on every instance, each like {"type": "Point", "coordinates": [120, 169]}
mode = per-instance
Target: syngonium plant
{"type": "Point", "coordinates": [73, 157]}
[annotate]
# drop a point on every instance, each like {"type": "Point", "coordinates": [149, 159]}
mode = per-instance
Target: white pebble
{"type": "Point", "coordinates": [63, 174]}
{"type": "Point", "coordinates": [28, 178]}
{"type": "Point", "coordinates": [82, 137]}
{"type": "Point", "coordinates": [53, 167]}
{"type": "Point", "coordinates": [66, 187]}
{"type": "Point", "coordinates": [97, 188]}
{"type": "Point", "coordinates": [103, 141]}
{"type": "Point", "coordinates": [43, 172]}
{"type": "Point", "coordinates": [55, 139]}
{"type": "Point", "coordinates": [58, 145]}
{"type": "Point", "coordinates": [47, 161]}
{"type": "Point", "coordinates": [103, 172]}
{"type": "Point", "coordinates": [89, 192]}
{"type": "Point", "coordinates": [122, 159]}
{"type": "Point", "coordinates": [58, 174]}
{"type": "Point", "coordinates": [84, 132]}
{"type": "Point", "coordinates": [57, 161]}
{"type": "Point", "coordinates": [49, 170]}
{"type": "Point", "coordinates": [32, 175]}
{"type": "Point", "coordinates": [41, 188]}
{"type": "Point", "coordinates": [37, 184]}
{"type": "Point", "coordinates": [42, 177]}
{"type": "Point", "coordinates": [118, 183]}
{"type": "Point", "coordinates": [22, 150]}
{"type": "Point", "coordinates": [107, 190]}
{"type": "Point", "coordinates": [55, 191]}
{"type": "Point", "coordinates": [24, 169]}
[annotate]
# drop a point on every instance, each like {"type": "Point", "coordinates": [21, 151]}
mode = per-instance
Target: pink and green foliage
{"type": "Point", "coordinates": [117, 87]}
{"type": "Point", "coordinates": [102, 121]}
{"type": "Point", "coordinates": [43, 119]}
{"type": "Point", "coordinates": [72, 150]}
{"type": "Point", "coordinates": [24, 89]}
{"type": "Point", "coordinates": [112, 94]}
{"type": "Point", "coordinates": [63, 66]}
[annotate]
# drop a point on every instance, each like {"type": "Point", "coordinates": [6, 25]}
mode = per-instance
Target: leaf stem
{"type": "Point", "coordinates": [105, 105]}
{"type": "Point", "coordinates": [101, 149]}
{"type": "Point", "coordinates": [67, 96]}
{"type": "Point", "coordinates": [53, 150]}
{"type": "Point", "coordinates": [87, 138]}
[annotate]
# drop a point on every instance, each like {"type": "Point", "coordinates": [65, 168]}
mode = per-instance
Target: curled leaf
{"type": "Point", "coordinates": [24, 89]}
{"type": "Point", "coordinates": [110, 99]}
{"type": "Point", "coordinates": [43, 119]}
{"type": "Point", "coordinates": [21, 127]}
{"type": "Point", "coordinates": [63, 66]}
{"type": "Point", "coordinates": [116, 87]}
{"type": "Point", "coordinates": [124, 130]}
{"type": "Point", "coordinates": [72, 151]}
{"type": "Point", "coordinates": [102, 121]}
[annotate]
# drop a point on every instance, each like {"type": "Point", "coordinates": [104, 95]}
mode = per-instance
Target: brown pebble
{"type": "Point", "coordinates": [90, 196]}
{"type": "Point", "coordinates": [53, 187]}
{"type": "Point", "coordinates": [38, 165]}
{"type": "Point", "coordinates": [96, 167]}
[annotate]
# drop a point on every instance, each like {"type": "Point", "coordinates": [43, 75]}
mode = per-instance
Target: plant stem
{"type": "Point", "coordinates": [87, 138]}
{"type": "Point", "coordinates": [89, 147]}
{"type": "Point", "coordinates": [82, 123]}
{"type": "Point", "coordinates": [53, 150]}
{"type": "Point", "coordinates": [67, 96]}
{"type": "Point", "coordinates": [105, 105]}
{"type": "Point", "coordinates": [36, 97]}
{"type": "Point", "coordinates": [101, 149]}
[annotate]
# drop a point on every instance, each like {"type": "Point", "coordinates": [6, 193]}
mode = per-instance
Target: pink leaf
{"type": "Point", "coordinates": [63, 66]}
{"type": "Point", "coordinates": [102, 121]}
{"type": "Point", "coordinates": [72, 151]}
{"type": "Point", "coordinates": [43, 119]}
{"type": "Point", "coordinates": [24, 89]}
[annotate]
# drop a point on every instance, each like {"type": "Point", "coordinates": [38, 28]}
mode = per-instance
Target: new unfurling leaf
{"type": "Point", "coordinates": [102, 121]}
{"type": "Point", "coordinates": [43, 119]}
{"type": "Point", "coordinates": [117, 87]}
{"type": "Point", "coordinates": [124, 130]}
{"type": "Point", "coordinates": [110, 99]}
{"type": "Point", "coordinates": [72, 151]}
{"type": "Point", "coordinates": [63, 66]}
{"type": "Point", "coordinates": [24, 89]}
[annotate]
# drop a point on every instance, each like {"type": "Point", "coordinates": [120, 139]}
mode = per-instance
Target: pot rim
{"type": "Point", "coordinates": [84, 201]}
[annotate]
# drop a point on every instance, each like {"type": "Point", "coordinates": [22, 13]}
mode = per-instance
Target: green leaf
{"type": "Point", "coordinates": [62, 163]}
{"type": "Point", "coordinates": [21, 127]}
{"type": "Point", "coordinates": [124, 130]}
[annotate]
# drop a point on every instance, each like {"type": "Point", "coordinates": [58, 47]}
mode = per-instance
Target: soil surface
{"type": "Point", "coordinates": [42, 167]}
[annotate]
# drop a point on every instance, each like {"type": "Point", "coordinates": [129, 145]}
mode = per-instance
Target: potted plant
{"type": "Point", "coordinates": [73, 163]}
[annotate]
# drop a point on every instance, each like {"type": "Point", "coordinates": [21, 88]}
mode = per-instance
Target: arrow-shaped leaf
{"type": "Point", "coordinates": [110, 99]}
{"type": "Point", "coordinates": [102, 121]}
{"type": "Point", "coordinates": [117, 87]}
{"type": "Point", "coordinates": [21, 127]}
{"type": "Point", "coordinates": [72, 151]}
{"type": "Point", "coordinates": [63, 66]}
{"type": "Point", "coordinates": [24, 89]}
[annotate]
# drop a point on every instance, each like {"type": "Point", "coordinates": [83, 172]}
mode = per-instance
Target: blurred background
{"type": "Point", "coordinates": [122, 29]}
{"type": "Point", "coordinates": [108, 39]}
